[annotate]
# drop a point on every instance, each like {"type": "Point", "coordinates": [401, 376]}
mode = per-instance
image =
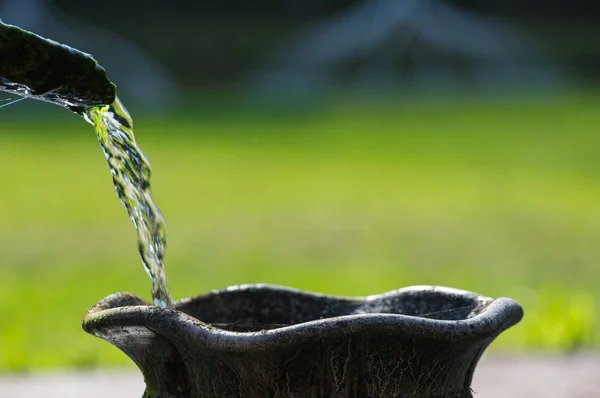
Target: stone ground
{"type": "Point", "coordinates": [576, 376]}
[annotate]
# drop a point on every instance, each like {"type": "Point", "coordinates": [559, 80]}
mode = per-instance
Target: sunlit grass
{"type": "Point", "coordinates": [498, 198]}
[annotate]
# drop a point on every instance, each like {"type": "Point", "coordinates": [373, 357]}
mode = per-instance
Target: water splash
{"type": "Point", "coordinates": [131, 172]}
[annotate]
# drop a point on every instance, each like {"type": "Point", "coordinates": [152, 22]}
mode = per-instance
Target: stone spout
{"type": "Point", "coordinates": [35, 67]}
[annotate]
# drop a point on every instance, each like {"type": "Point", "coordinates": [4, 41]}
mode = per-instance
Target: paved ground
{"type": "Point", "coordinates": [509, 377]}
{"type": "Point", "coordinates": [538, 377]}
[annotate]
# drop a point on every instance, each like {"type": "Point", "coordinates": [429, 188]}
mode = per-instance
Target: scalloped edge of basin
{"type": "Point", "coordinates": [322, 345]}
{"type": "Point", "coordinates": [126, 309]}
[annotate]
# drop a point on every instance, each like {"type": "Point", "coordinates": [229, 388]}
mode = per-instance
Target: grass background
{"type": "Point", "coordinates": [501, 197]}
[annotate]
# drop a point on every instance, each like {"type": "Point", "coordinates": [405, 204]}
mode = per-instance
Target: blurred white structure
{"type": "Point", "coordinates": [418, 43]}
{"type": "Point", "coordinates": [138, 76]}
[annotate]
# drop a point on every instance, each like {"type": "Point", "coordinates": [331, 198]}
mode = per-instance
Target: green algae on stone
{"type": "Point", "coordinates": [39, 68]}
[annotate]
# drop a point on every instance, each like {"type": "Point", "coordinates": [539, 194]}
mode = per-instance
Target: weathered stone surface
{"type": "Point", "coordinates": [269, 341]}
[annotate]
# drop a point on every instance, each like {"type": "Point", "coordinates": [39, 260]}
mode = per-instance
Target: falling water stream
{"type": "Point", "coordinates": [131, 172]}
{"type": "Point", "coordinates": [35, 67]}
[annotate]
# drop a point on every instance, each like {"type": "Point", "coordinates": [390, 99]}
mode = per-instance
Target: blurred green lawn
{"type": "Point", "coordinates": [497, 197]}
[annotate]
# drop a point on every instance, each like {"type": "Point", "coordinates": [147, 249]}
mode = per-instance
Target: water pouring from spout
{"type": "Point", "coordinates": [131, 172]}
{"type": "Point", "coordinates": [38, 68]}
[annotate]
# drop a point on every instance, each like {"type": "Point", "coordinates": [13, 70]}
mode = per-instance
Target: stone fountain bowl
{"type": "Point", "coordinates": [258, 341]}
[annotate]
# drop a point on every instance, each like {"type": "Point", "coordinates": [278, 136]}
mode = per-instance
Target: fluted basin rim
{"type": "Point", "coordinates": [123, 310]}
